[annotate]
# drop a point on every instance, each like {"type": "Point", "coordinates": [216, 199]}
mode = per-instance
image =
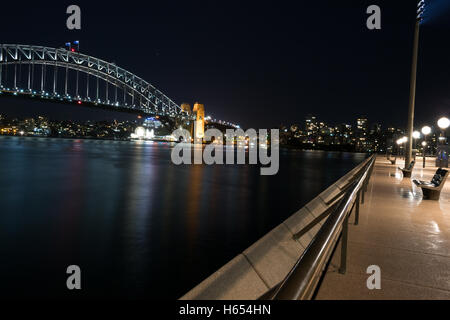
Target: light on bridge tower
{"type": "Point", "coordinates": [199, 123]}
{"type": "Point", "coordinates": [185, 107]}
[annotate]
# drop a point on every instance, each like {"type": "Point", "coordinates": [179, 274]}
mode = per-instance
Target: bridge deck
{"type": "Point", "coordinates": [407, 237]}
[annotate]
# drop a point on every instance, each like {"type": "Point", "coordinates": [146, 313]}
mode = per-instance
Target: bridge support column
{"type": "Point", "coordinates": [32, 77]}
{"type": "Point", "coordinates": [20, 72]}
{"type": "Point", "coordinates": [76, 86]}
{"type": "Point", "coordinates": [6, 71]}
{"type": "Point", "coordinates": [65, 84]}
{"type": "Point", "coordinates": [42, 77]}
{"type": "Point", "coordinates": [29, 77]}
{"type": "Point", "coordinates": [55, 76]}
{"type": "Point", "coordinates": [15, 76]}
{"type": "Point", "coordinates": [97, 90]}
{"type": "Point", "coordinates": [107, 95]}
{"type": "Point", "coordinates": [115, 93]}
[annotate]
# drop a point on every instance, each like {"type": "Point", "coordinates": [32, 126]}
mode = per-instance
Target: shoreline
{"type": "Point", "coordinates": [74, 138]}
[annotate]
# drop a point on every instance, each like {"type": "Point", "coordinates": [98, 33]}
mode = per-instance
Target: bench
{"type": "Point", "coordinates": [432, 190]}
{"type": "Point", "coordinates": [407, 171]}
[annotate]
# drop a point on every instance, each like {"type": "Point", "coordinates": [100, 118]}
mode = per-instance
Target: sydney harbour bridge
{"type": "Point", "coordinates": [68, 76]}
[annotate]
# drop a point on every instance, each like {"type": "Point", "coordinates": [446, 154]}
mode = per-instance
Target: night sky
{"type": "Point", "coordinates": [259, 64]}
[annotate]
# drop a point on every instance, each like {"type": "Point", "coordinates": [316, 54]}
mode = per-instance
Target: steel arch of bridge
{"type": "Point", "coordinates": [144, 96]}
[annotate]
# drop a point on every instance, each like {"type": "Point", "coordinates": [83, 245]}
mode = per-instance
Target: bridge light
{"type": "Point", "coordinates": [77, 43]}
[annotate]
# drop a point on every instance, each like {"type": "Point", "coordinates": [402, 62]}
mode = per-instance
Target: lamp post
{"type": "Point", "coordinates": [416, 135]}
{"type": "Point", "coordinates": [426, 130]}
{"type": "Point", "coordinates": [443, 123]}
{"type": "Point", "coordinates": [424, 144]}
{"type": "Point", "coordinates": [399, 142]}
{"type": "Point", "coordinates": [412, 94]}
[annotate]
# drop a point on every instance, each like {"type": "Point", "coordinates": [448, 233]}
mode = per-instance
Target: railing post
{"type": "Point", "coordinates": [362, 191]}
{"type": "Point", "coordinates": [357, 208]}
{"type": "Point", "coordinates": [343, 267]}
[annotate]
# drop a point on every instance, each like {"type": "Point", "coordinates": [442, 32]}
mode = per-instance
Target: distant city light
{"type": "Point", "coordinates": [140, 132]}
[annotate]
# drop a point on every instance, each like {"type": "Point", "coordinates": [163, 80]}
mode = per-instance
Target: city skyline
{"type": "Point", "coordinates": [357, 135]}
{"type": "Point", "coordinates": [287, 65]}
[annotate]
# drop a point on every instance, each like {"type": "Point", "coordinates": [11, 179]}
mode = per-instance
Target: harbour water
{"type": "Point", "coordinates": [138, 226]}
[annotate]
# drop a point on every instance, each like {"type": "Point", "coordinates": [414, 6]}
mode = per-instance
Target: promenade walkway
{"type": "Point", "coordinates": [407, 237]}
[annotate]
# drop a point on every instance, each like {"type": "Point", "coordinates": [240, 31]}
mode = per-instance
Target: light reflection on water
{"type": "Point", "coordinates": [137, 225]}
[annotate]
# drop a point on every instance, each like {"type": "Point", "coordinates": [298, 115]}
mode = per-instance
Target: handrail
{"type": "Point", "coordinates": [302, 280]}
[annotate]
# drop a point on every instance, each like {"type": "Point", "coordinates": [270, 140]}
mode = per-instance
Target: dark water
{"type": "Point", "coordinates": [137, 225]}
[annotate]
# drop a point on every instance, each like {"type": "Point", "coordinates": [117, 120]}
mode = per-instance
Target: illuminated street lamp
{"type": "Point", "coordinates": [424, 144]}
{"type": "Point", "coordinates": [412, 93]}
{"type": "Point", "coordinates": [443, 123]}
{"type": "Point", "coordinates": [404, 141]}
{"type": "Point", "coordinates": [415, 135]}
{"type": "Point", "coordinates": [426, 130]}
{"type": "Point", "coordinates": [399, 144]}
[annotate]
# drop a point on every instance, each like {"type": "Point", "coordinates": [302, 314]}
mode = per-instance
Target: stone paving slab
{"type": "Point", "coordinates": [390, 289]}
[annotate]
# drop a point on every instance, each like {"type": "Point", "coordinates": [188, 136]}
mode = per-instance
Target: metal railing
{"type": "Point", "coordinates": [302, 280]}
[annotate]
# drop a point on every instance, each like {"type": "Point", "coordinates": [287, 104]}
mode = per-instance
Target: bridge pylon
{"type": "Point", "coordinates": [199, 122]}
